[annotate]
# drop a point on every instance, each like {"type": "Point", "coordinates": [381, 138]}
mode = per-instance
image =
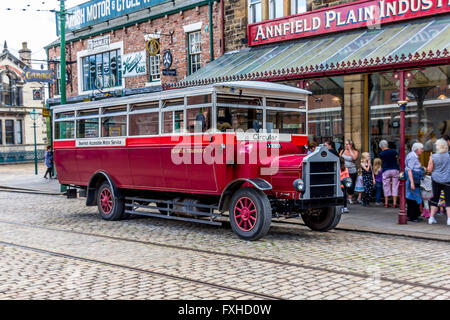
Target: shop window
{"type": "Point", "coordinates": [254, 11]}
{"type": "Point", "coordinates": [298, 6]}
{"type": "Point", "coordinates": [427, 115]}
{"type": "Point", "coordinates": [198, 119]}
{"type": "Point", "coordinates": [64, 130]}
{"type": "Point", "coordinates": [276, 8]}
{"type": "Point", "coordinates": [103, 70]}
{"type": "Point", "coordinates": [19, 132]}
{"type": "Point", "coordinates": [9, 131]}
{"type": "Point", "coordinates": [87, 128]}
{"type": "Point", "coordinates": [195, 50]}
{"type": "Point", "coordinates": [144, 124]}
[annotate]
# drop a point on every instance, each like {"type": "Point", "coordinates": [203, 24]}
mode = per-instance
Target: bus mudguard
{"type": "Point", "coordinates": [234, 185]}
{"type": "Point", "coordinates": [94, 183]}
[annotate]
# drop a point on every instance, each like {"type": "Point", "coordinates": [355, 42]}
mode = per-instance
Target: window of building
{"type": "Point", "coordinates": [19, 132]}
{"type": "Point", "coordinates": [64, 130]}
{"type": "Point", "coordinates": [102, 70]}
{"type": "Point", "coordinates": [9, 131]}
{"type": "Point", "coordinates": [154, 66]}
{"type": "Point", "coordinates": [254, 11]}
{"type": "Point", "coordinates": [195, 50]}
{"type": "Point", "coordinates": [6, 87]}
{"type": "Point", "coordinates": [298, 6]}
{"type": "Point", "coordinates": [58, 79]}
{"type": "Point", "coordinates": [276, 8]}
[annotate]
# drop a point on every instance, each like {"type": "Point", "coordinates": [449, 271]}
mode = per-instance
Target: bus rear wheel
{"type": "Point", "coordinates": [109, 206]}
{"type": "Point", "coordinates": [322, 219]}
{"type": "Point", "coordinates": [250, 213]}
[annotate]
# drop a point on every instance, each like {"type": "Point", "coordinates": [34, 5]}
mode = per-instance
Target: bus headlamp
{"type": "Point", "coordinates": [299, 185]}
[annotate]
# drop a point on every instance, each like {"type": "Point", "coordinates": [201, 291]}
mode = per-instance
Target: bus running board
{"type": "Point", "coordinates": [132, 204]}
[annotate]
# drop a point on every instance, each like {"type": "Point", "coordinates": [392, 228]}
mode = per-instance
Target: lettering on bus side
{"type": "Point", "coordinates": [100, 142]}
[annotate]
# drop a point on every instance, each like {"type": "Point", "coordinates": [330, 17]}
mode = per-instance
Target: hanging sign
{"type": "Point", "coordinates": [31, 75]}
{"type": "Point", "coordinates": [97, 11]}
{"type": "Point", "coordinates": [152, 46]}
{"type": "Point", "coordinates": [369, 14]}
{"type": "Point", "coordinates": [134, 64]}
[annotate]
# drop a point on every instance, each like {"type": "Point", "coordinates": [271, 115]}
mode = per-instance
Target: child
{"type": "Point", "coordinates": [367, 177]}
{"type": "Point", "coordinates": [344, 174]}
{"type": "Point", "coordinates": [378, 172]}
{"type": "Point", "coordinates": [359, 188]}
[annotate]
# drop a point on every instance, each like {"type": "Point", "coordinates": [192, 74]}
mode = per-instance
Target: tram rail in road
{"type": "Point", "coordinates": [204, 251]}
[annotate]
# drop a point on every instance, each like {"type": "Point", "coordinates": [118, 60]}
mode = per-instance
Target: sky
{"type": "Point", "coordinates": [36, 28]}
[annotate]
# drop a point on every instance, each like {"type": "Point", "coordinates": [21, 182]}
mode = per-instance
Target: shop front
{"type": "Point", "coordinates": [351, 57]}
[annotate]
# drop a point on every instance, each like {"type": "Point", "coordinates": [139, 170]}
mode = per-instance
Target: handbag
{"type": "Point", "coordinates": [426, 188]}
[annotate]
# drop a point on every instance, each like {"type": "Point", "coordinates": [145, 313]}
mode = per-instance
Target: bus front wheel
{"type": "Point", "coordinates": [322, 219]}
{"type": "Point", "coordinates": [109, 206]}
{"type": "Point", "coordinates": [250, 213]}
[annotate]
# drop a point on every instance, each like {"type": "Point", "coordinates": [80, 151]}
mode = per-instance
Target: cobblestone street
{"type": "Point", "coordinates": [55, 248]}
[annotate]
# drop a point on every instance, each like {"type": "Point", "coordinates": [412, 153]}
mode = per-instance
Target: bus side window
{"type": "Point", "coordinates": [87, 128]}
{"type": "Point", "coordinates": [114, 126]}
{"type": "Point", "coordinates": [64, 130]}
{"type": "Point", "coordinates": [144, 124]}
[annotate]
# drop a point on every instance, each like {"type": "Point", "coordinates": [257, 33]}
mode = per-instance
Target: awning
{"type": "Point", "coordinates": [416, 40]}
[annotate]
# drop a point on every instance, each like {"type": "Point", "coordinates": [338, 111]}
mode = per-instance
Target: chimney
{"type": "Point", "coordinates": [25, 54]}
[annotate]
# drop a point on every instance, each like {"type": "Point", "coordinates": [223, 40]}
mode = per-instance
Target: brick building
{"type": "Point", "coordinates": [351, 64]}
{"type": "Point", "coordinates": [106, 51]}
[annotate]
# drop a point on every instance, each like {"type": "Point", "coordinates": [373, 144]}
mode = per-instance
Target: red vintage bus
{"type": "Point", "coordinates": [195, 153]}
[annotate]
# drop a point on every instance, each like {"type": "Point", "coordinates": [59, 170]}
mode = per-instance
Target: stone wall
{"type": "Point", "coordinates": [235, 24]}
{"type": "Point", "coordinates": [318, 4]}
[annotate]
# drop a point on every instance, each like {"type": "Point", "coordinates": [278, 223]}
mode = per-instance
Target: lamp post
{"type": "Point", "coordinates": [402, 218]}
{"type": "Point", "coordinates": [34, 115]}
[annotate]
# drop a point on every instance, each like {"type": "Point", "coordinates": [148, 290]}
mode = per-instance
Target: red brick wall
{"type": "Point", "coordinates": [133, 41]}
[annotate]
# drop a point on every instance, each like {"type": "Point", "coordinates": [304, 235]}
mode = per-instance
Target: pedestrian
{"type": "Point", "coordinates": [368, 178]}
{"type": "Point", "coordinates": [350, 155]}
{"type": "Point", "coordinates": [439, 166]}
{"type": "Point", "coordinates": [312, 147]}
{"type": "Point", "coordinates": [414, 174]}
{"type": "Point", "coordinates": [331, 147]}
{"type": "Point", "coordinates": [391, 170]}
{"type": "Point", "coordinates": [359, 188]}
{"type": "Point", "coordinates": [344, 174]}
{"type": "Point", "coordinates": [48, 159]}
{"type": "Point", "coordinates": [378, 173]}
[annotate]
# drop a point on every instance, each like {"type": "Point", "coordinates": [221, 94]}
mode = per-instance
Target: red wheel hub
{"type": "Point", "coordinates": [245, 214]}
{"type": "Point", "coordinates": [106, 202]}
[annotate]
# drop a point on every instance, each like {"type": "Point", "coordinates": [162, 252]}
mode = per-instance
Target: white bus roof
{"type": "Point", "coordinates": [233, 87]}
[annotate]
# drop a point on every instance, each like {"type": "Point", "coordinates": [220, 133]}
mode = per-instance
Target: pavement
{"type": "Point", "coordinates": [370, 219]}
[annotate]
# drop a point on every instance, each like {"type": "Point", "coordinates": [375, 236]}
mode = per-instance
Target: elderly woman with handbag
{"type": "Point", "coordinates": [414, 174]}
{"type": "Point", "coordinates": [439, 166]}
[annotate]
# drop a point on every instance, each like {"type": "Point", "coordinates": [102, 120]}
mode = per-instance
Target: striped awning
{"type": "Point", "coordinates": [413, 40]}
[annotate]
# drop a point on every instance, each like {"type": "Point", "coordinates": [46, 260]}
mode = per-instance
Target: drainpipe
{"type": "Point", "coordinates": [211, 44]}
{"type": "Point", "coordinates": [222, 25]}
